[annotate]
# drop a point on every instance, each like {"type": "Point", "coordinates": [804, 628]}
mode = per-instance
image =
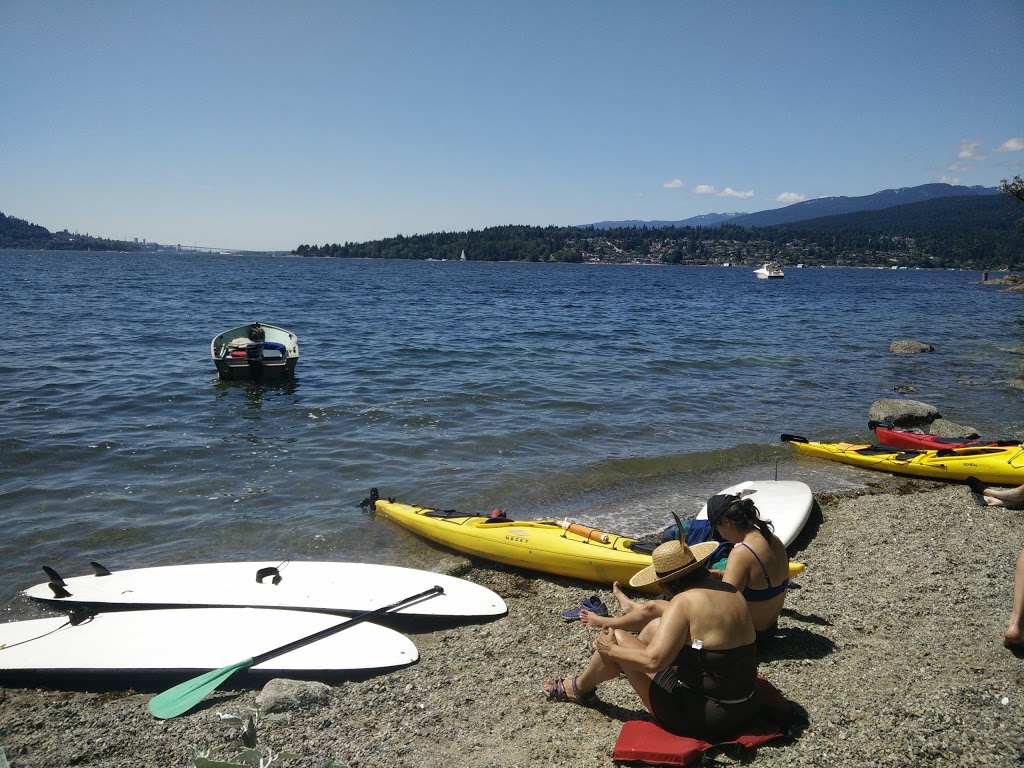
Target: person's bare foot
{"type": "Point", "coordinates": [625, 603]}
{"type": "Point", "coordinates": [1012, 638]}
{"type": "Point", "coordinates": [592, 620]}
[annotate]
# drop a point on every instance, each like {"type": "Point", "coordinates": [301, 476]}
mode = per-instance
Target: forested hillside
{"type": "Point", "coordinates": [18, 233]}
{"type": "Point", "coordinates": [977, 232]}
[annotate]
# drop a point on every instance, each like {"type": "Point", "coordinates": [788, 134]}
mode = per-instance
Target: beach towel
{"type": "Point", "coordinates": [642, 741]}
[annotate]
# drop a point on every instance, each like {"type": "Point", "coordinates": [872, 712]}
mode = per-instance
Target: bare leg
{"type": "Point", "coordinates": [641, 681]}
{"type": "Point", "coordinates": [1014, 635]}
{"type": "Point", "coordinates": [998, 497]}
{"type": "Point", "coordinates": [598, 670]}
{"type": "Point", "coordinates": [601, 669]}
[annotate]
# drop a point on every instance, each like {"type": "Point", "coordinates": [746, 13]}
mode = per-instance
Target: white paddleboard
{"type": "Point", "coordinates": [326, 587]}
{"type": "Point", "coordinates": [787, 503]}
{"type": "Point", "coordinates": [195, 640]}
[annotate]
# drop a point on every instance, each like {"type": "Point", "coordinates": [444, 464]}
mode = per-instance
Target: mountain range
{"type": "Point", "coordinates": [813, 209]}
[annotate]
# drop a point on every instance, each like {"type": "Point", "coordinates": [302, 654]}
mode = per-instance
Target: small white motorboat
{"type": "Point", "coordinates": [770, 269]}
{"type": "Point", "coordinates": [255, 351]}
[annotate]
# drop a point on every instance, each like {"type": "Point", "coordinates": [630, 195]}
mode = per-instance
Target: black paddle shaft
{"type": "Point", "coordinates": [426, 595]}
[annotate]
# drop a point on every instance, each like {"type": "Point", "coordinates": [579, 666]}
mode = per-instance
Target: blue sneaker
{"type": "Point", "coordinates": [592, 604]}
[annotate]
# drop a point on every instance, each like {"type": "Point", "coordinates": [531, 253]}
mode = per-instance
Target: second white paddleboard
{"type": "Point", "coordinates": [187, 641]}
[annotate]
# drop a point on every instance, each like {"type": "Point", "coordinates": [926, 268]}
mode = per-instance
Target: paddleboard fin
{"type": "Point", "coordinates": [99, 569]}
{"type": "Point", "coordinates": [53, 576]}
{"type": "Point", "coordinates": [58, 589]}
{"type": "Point", "coordinates": [262, 573]}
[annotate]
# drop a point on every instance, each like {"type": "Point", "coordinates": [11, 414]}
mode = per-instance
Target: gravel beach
{"type": "Point", "coordinates": [892, 647]}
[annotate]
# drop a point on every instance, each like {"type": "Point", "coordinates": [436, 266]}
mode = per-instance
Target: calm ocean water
{"type": "Point", "coordinates": [608, 394]}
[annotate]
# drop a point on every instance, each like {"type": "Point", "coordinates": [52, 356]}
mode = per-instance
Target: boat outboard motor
{"type": "Point", "coordinates": [254, 357]}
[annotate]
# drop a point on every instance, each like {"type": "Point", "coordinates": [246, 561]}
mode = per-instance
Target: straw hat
{"type": "Point", "coordinates": [673, 560]}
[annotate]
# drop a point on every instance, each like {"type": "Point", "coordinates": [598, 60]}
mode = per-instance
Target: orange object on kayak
{"type": "Point", "coordinates": [589, 533]}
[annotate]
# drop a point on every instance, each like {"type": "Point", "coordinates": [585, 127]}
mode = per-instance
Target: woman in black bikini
{"type": "Point", "coordinates": [758, 564]}
{"type": "Point", "coordinates": [695, 667]}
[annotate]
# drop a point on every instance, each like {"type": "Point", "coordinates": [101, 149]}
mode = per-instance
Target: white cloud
{"type": "Point", "coordinates": [790, 197]}
{"type": "Point", "coordinates": [730, 192]}
{"type": "Point", "coordinates": [957, 168]}
{"type": "Point", "coordinates": [707, 189]}
{"type": "Point", "coordinates": [1016, 144]}
{"type": "Point", "coordinates": [969, 150]}
{"type": "Point", "coordinates": [673, 184]}
{"type": "Point", "coordinates": [949, 180]}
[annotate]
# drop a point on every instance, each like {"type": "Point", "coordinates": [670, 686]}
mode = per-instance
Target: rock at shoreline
{"type": "Point", "coordinates": [946, 428]}
{"type": "Point", "coordinates": [910, 347]}
{"type": "Point", "coordinates": [903, 413]}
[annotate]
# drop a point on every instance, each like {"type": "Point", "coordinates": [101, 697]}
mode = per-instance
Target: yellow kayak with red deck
{"type": "Point", "coordinates": [559, 548]}
{"type": "Point", "coordinates": [997, 464]}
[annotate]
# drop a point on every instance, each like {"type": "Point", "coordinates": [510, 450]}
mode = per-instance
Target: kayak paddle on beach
{"type": "Point", "coordinates": [181, 698]}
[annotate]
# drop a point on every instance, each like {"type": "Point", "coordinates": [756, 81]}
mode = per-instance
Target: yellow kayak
{"type": "Point", "coordinates": [559, 548]}
{"type": "Point", "coordinates": [1002, 465]}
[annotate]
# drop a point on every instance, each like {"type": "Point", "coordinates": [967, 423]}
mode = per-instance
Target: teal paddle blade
{"type": "Point", "coordinates": [181, 698]}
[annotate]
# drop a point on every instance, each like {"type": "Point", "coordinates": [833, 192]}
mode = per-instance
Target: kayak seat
{"type": "Point", "coordinates": [446, 513]}
{"type": "Point", "coordinates": [885, 450]}
{"type": "Point", "coordinates": [643, 547]}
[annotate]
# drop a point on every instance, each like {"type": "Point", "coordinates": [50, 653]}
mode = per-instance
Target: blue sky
{"type": "Point", "coordinates": [270, 124]}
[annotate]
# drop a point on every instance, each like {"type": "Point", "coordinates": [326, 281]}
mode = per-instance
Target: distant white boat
{"type": "Point", "coordinates": [769, 270]}
{"type": "Point", "coordinates": [463, 256]}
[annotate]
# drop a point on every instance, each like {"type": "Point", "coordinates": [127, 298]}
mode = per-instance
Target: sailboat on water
{"type": "Point", "coordinates": [463, 256]}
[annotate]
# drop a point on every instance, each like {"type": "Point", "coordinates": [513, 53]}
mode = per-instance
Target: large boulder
{"type": "Point", "coordinates": [947, 428]}
{"type": "Point", "coordinates": [903, 413]}
{"type": "Point", "coordinates": [910, 347]}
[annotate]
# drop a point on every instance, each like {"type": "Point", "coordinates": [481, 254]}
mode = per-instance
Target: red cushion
{"type": "Point", "coordinates": [641, 741]}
